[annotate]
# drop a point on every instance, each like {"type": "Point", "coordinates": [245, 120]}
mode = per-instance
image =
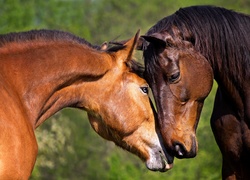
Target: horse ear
{"type": "Point", "coordinates": [141, 44]}
{"type": "Point", "coordinates": [104, 46]}
{"type": "Point", "coordinates": [126, 53]}
{"type": "Point", "coordinates": [131, 45]}
{"type": "Point", "coordinates": [157, 39]}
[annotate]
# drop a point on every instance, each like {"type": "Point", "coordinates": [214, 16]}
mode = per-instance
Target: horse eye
{"type": "Point", "coordinates": [174, 77]}
{"type": "Point", "coordinates": [144, 89]}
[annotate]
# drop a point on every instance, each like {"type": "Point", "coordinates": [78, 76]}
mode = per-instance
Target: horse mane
{"type": "Point", "coordinates": [43, 34]}
{"type": "Point", "coordinates": [55, 35]}
{"type": "Point", "coordinates": [134, 66]}
{"type": "Point", "coordinates": [219, 34]}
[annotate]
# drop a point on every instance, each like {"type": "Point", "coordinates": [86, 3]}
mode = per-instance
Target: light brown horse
{"type": "Point", "coordinates": [43, 71]}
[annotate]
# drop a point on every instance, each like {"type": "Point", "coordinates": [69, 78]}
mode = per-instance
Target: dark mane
{"type": "Point", "coordinates": [43, 34]}
{"type": "Point", "coordinates": [219, 34]}
{"type": "Point", "coordinates": [134, 65]}
{"type": "Point", "coordinates": [136, 68]}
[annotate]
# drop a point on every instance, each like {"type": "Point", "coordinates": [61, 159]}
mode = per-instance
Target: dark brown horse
{"type": "Point", "coordinates": [43, 71]}
{"type": "Point", "coordinates": [183, 53]}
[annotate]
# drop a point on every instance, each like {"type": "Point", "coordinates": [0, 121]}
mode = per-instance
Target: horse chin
{"type": "Point", "coordinates": [160, 162]}
{"type": "Point", "coordinates": [156, 166]}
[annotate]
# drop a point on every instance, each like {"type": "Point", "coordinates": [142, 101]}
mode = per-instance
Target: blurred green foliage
{"type": "Point", "coordinates": [68, 147]}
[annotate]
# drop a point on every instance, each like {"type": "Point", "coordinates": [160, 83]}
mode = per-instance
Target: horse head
{"type": "Point", "coordinates": [180, 78]}
{"type": "Point", "coordinates": [123, 113]}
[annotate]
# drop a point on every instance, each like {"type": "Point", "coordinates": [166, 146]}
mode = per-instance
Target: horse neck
{"type": "Point", "coordinates": [232, 90]}
{"type": "Point", "coordinates": [45, 76]}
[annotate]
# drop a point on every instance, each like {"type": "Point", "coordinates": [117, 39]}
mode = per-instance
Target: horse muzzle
{"type": "Point", "coordinates": [160, 161]}
{"type": "Point", "coordinates": [161, 165]}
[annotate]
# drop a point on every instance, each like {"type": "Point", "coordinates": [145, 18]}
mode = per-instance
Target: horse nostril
{"type": "Point", "coordinates": [180, 150]}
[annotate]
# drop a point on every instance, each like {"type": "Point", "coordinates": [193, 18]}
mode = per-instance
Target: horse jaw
{"type": "Point", "coordinates": [153, 154]}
